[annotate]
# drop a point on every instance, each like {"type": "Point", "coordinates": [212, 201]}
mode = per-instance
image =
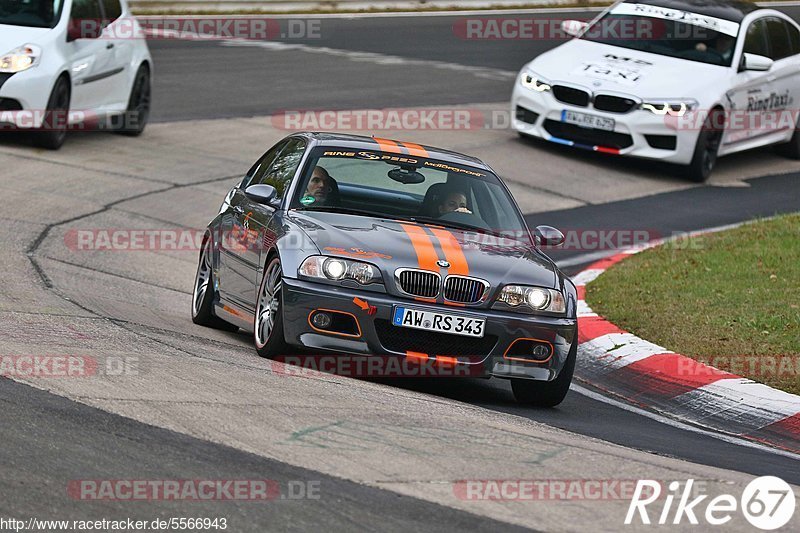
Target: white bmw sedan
{"type": "Point", "coordinates": [679, 81]}
{"type": "Point", "coordinates": [66, 62]}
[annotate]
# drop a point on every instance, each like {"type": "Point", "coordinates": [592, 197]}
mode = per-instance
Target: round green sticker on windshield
{"type": "Point", "coordinates": [307, 200]}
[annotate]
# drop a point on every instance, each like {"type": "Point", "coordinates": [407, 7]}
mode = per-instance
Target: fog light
{"type": "Point", "coordinates": [541, 351]}
{"type": "Point", "coordinates": [321, 320]}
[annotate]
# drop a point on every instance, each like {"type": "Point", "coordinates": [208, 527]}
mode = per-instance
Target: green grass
{"type": "Point", "coordinates": [730, 299]}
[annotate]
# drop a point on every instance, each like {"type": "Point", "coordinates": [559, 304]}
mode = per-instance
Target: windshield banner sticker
{"type": "Point", "coordinates": [727, 27]}
{"type": "Point", "coordinates": [402, 160]}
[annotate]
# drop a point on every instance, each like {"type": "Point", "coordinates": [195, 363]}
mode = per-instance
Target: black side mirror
{"type": "Point", "coordinates": [548, 236]}
{"type": "Point", "coordinates": [262, 194]}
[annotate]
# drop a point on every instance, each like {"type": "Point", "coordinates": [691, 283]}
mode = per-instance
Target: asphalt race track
{"type": "Point", "coordinates": [200, 404]}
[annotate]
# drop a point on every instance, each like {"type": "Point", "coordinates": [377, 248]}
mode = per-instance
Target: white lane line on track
{"type": "Point", "coordinates": [352, 55]}
{"type": "Point", "coordinates": [375, 58]}
{"type": "Point", "coordinates": [679, 425]}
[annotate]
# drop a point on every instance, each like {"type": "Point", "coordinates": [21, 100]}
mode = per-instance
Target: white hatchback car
{"type": "Point", "coordinates": [679, 81]}
{"type": "Point", "coordinates": [66, 62]}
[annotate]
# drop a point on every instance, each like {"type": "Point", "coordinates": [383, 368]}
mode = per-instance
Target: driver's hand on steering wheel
{"type": "Point", "coordinates": [463, 210]}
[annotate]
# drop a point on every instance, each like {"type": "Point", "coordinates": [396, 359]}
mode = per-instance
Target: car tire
{"type": "Point", "coordinates": [268, 323]}
{"type": "Point", "coordinates": [546, 393]}
{"type": "Point", "coordinates": [204, 292]}
{"type": "Point", "coordinates": [792, 148]}
{"type": "Point", "coordinates": [705, 151]}
{"type": "Point", "coordinates": [54, 133]}
{"type": "Point", "coordinates": [134, 120]}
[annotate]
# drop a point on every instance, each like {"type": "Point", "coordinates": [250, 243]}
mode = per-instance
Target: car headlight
{"type": "Point", "coordinates": [338, 269]}
{"type": "Point", "coordinates": [676, 108]}
{"type": "Point", "coordinates": [533, 81]}
{"type": "Point", "coordinates": [20, 59]}
{"type": "Point", "coordinates": [532, 298]}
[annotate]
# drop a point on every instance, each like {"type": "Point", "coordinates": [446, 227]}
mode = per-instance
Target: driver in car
{"type": "Point", "coordinates": [319, 186]}
{"type": "Point", "coordinates": [454, 202]}
{"type": "Point", "coordinates": [722, 46]}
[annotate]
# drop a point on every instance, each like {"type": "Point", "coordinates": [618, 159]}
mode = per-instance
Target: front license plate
{"type": "Point", "coordinates": [587, 121]}
{"type": "Point", "coordinates": [442, 322]}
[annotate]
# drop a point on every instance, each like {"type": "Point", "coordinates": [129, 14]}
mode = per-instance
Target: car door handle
{"type": "Point", "coordinates": [109, 46]}
{"type": "Point", "coordinates": [771, 78]}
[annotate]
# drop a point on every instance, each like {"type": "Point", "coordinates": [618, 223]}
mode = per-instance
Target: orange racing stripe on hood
{"type": "Point", "coordinates": [452, 252]}
{"type": "Point", "coordinates": [388, 145]}
{"type": "Point", "coordinates": [423, 245]}
{"type": "Point", "coordinates": [415, 150]}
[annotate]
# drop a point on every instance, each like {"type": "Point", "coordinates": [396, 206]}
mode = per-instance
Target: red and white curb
{"type": "Point", "coordinates": [653, 377]}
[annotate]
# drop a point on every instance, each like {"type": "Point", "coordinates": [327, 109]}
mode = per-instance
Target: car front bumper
{"type": "Point", "coordinates": [637, 133]}
{"type": "Point", "coordinates": [23, 98]}
{"type": "Point", "coordinates": [376, 336]}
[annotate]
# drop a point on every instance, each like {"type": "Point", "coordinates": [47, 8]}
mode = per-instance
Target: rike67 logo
{"type": "Point", "coordinates": [767, 503]}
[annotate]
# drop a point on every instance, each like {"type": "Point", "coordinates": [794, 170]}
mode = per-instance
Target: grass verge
{"type": "Point", "coordinates": [729, 299]}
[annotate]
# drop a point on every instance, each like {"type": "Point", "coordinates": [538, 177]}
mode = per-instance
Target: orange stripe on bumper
{"type": "Point", "coordinates": [426, 253]}
{"type": "Point", "coordinates": [418, 356]}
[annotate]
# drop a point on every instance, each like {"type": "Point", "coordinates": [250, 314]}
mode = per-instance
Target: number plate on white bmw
{"type": "Point", "coordinates": [442, 322]}
{"type": "Point", "coordinates": [587, 121]}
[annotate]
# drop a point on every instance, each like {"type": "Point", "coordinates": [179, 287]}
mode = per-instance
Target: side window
{"type": "Point", "coordinates": [257, 172]}
{"type": "Point", "coordinates": [794, 38]}
{"type": "Point", "coordinates": [283, 169]}
{"type": "Point", "coordinates": [755, 41]}
{"type": "Point", "coordinates": [780, 45]}
{"type": "Point", "coordinates": [113, 10]}
{"type": "Point", "coordinates": [86, 10]}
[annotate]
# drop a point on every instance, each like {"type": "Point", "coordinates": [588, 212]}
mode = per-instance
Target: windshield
{"type": "Point", "coordinates": [403, 187]}
{"type": "Point", "coordinates": [32, 13]}
{"type": "Point", "coordinates": [667, 32]}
